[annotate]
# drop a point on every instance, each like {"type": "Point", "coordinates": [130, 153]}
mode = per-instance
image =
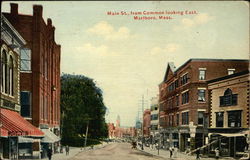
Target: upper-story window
{"type": "Point", "coordinates": [25, 103]}
{"type": "Point", "coordinates": [184, 79]}
{"type": "Point", "coordinates": [200, 117]}
{"type": "Point", "coordinates": [185, 97]}
{"type": "Point", "coordinates": [229, 99]}
{"type": "Point", "coordinates": [11, 76]}
{"type": "Point", "coordinates": [4, 71]}
{"type": "Point", "coordinates": [25, 59]}
{"type": "Point", "coordinates": [177, 119]}
{"type": "Point", "coordinates": [230, 71]}
{"type": "Point", "coordinates": [185, 118]}
{"type": "Point", "coordinates": [201, 95]}
{"type": "Point", "coordinates": [202, 73]}
{"type": "Point", "coordinates": [177, 100]}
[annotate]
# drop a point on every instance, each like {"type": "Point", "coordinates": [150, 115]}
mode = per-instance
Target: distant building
{"type": "Point", "coordinates": [40, 73]}
{"type": "Point", "coordinates": [146, 123]}
{"type": "Point", "coordinates": [229, 113]}
{"type": "Point", "coordinates": [184, 101]}
{"type": "Point", "coordinates": [13, 127]}
{"type": "Point", "coordinates": [154, 123]}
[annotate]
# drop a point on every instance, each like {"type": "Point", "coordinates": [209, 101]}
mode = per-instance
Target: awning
{"type": "Point", "coordinates": [3, 132]}
{"type": "Point", "coordinates": [228, 134]}
{"type": "Point", "coordinates": [49, 137]}
{"type": "Point", "coordinates": [22, 139]}
{"type": "Point", "coordinates": [16, 125]}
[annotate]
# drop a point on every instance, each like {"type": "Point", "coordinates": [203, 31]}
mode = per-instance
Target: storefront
{"type": "Point", "coordinates": [13, 130]}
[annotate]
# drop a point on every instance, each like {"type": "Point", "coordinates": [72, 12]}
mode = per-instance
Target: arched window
{"type": "Point", "coordinates": [229, 99]}
{"type": "Point", "coordinates": [228, 92]}
{"type": "Point", "coordinates": [4, 71]}
{"type": "Point", "coordinates": [11, 79]}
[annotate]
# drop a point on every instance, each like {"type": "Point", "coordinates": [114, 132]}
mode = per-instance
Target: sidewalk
{"type": "Point", "coordinates": [73, 151]}
{"type": "Point", "coordinates": [176, 156]}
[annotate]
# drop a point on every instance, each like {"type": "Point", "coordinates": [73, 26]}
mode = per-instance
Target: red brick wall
{"type": "Point", "coordinates": [40, 39]}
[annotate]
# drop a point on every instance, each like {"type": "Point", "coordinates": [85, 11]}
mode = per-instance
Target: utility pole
{"type": "Point", "coordinates": [86, 135]}
{"type": "Point", "coordinates": [142, 141]}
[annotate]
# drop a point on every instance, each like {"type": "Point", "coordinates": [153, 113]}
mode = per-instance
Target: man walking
{"type": "Point", "coordinates": [49, 153]}
{"type": "Point", "coordinates": [198, 153]}
{"type": "Point", "coordinates": [67, 150]}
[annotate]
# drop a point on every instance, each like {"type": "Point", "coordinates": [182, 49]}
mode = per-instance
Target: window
{"type": "Point", "coordinates": [201, 95]}
{"type": "Point", "coordinates": [229, 99]}
{"type": "Point", "coordinates": [177, 100]}
{"type": "Point", "coordinates": [154, 116]}
{"type": "Point", "coordinates": [234, 118]}
{"type": "Point", "coordinates": [200, 118]}
{"type": "Point", "coordinates": [26, 104]}
{"type": "Point", "coordinates": [219, 119]}
{"type": "Point", "coordinates": [4, 72]}
{"type": "Point", "coordinates": [202, 74]}
{"type": "Point", "coordinates": [185, 118]}
{"type": "Point", "coordinates": [177, 119]}
{"type": "Point", "coordinates": [184, 79]}
{"type": "Point", "coordinates": [11, 79]}
{"type": "Point", "coordinates": [25, 59]}
{"type": "Point", "coordinates": [230, 71]}
{"type": "Point", "coordinates": [185, 97]}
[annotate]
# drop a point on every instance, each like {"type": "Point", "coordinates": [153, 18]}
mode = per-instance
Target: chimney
{"type": "Point", "coordinates": [38, 10]}
{"type": "Point", "coordinates": [49, 22]}
{"type": "Point", "coordinates": [14, 8]}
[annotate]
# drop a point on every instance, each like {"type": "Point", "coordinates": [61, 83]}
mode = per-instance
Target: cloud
{"type": "Point", "coordinates": [169, 48]}
{"type": "Point", "coordinates": [102, 50]}
{"type": "Point", "coordinates": [199, 19]}
{"type": "Point", "coordinates": [106, 30]}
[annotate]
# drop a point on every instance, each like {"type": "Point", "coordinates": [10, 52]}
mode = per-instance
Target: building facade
{"type": "Point", "coordinates": [154, 123]}
{"type": "Point", "coordinates": [146, 122]}
{"type": "Point", "coordinates": [184, 100]}
{"type": "Point", "coordinates": [13, 127]}
{"type": "Point", "coordinates": [229, 114]}
{"type": "Point", "coordinates": [39, 72]}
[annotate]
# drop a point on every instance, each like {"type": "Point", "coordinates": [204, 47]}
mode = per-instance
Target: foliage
{"type": "Point", "coordinates": [79, 141]}
{"type": "Point", "coordinates": [81, 105]}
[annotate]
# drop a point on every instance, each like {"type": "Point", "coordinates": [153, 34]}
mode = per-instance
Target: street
{"type": "Point", "coordinates": [115, 151]}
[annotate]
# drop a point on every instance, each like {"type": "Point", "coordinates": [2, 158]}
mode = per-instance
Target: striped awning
{"type": "Point", "coordinates": [16, 125]}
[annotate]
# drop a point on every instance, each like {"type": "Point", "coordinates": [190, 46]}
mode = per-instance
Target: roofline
{"type": "Point", "coordinates": [229, 76]}
{"type": "Point", "coordinates": [209, 59]}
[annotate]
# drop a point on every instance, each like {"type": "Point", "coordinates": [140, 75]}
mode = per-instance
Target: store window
{"type": "Point", "coordinates": [219, 119]}
{"type": "Point", "coordinates": [234, 118]}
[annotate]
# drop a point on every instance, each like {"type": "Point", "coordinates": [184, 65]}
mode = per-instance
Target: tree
{"type": "Point", "coordinates": [81, 103]}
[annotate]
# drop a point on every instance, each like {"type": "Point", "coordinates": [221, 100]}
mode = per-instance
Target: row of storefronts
{"type": "Point", "coordinates": [201, 109]}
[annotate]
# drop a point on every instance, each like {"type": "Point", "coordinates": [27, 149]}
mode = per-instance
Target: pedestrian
{"type": "Point", "coordinates": [198, 153]}
{"type": "Point", "coordinates": [49, 153]}
{"type": "Point", "coordinates": [67, 150]}
{"type": "Point", "coordinates": [171, 152]}
{"type": "Point", "coordinates": [217, 153]}
{"type": "Point", "coordinates": [61, 149]}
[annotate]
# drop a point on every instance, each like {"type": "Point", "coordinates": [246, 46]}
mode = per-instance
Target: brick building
{"type": "Point", "coordinates": [146, 122]}
{"type": "Point", "coordinates": [229, 113]}
{"type": "Point", "coordinates": [13, 127]}
{"type": "Point", "coordinates": [40, 71]}
{"type": "Point", "coordinates": [184, 100]}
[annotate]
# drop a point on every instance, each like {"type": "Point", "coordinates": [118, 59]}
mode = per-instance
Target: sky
{"type": "Point", "coordinates": [127, 58]}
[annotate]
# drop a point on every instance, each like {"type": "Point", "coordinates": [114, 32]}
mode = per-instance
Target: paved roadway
{"type": "Point", "coordinates": [115, 151]}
